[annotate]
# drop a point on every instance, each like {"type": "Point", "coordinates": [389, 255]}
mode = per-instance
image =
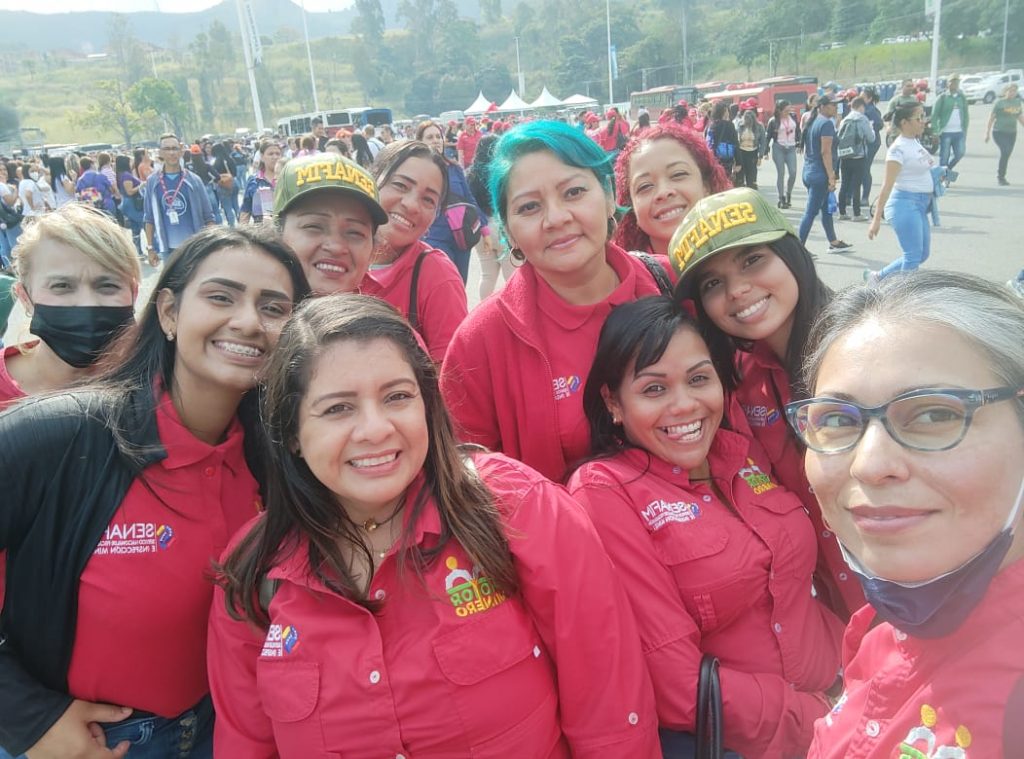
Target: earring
{"type": "Point", "coordinates": [615, 419]}
{"type": "Point", "coordinates": [170, 336]}
{"type": "Point", "coordinates": [516, 254]}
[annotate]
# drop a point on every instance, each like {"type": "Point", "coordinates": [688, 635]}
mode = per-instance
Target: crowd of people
{"type": "Point", "coordinates": [303, 502]}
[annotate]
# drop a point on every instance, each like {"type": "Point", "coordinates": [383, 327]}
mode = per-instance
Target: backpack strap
{"type": "Point", "coordinates": [266, 592]}
{"type": "Point", "coordinates": [654, 268]}
{"type": "Point", "coordinates": [414, 292]}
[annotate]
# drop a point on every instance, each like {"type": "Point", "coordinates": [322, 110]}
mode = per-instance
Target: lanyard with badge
{"type": "Point", "coordinates": [172, 215]}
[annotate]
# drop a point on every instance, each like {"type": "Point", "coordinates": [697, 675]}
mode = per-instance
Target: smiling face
{"type": "Point", "coordinates": [750, 294]}
{"type": "Point", "coordinates": [363, 426]}
{"type": "Point", "coordinates": [672, 408]}
{"type": "Point", "coordinates": [664, 183]}
{"type": "Point", "coordinates": [557, 215]}
{"type": "Point", "coordinates": [332, 236]}
{"type": "Point", "coordinates": [227, 319]}
{"type": "Point", "coordinates": [911, 515]}
{"type": "Point", "coordinates": [410, 196]}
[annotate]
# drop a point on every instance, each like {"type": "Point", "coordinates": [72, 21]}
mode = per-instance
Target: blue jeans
{"type": "Point", "coordinates": [211, 194]}
{"type": "Point", "coordinates": [817, 202]}
{"type": "Point", "coordinates": [955, 140]}
{"type": "Point", "coordinates": [187, 736]}
{"type": "Point", "coordinates": [8, 239]}
{"type": "Point", "coordinates": [865, 197]}
{"type": "Point", "coordinates": [907, 212]}
{"type": "Point", "coordinates": [228, 201]}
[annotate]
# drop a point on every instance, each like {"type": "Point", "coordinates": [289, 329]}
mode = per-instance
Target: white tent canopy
{"type": "Point", "coordinates": [545, 100]}
{"type": "Point", "coordinates": [579, 100]}
{"type": "Point", "coordinates": [480, 105]}
{"type": "Point", "coordinates": [514, 103]}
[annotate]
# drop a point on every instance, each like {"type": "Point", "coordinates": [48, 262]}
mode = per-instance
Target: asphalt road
{"type": "Point", "coordinates": [981, 231]}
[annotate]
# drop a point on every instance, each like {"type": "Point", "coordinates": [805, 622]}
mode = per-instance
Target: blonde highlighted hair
{"type": "Point", "coordinates": [85, 229]}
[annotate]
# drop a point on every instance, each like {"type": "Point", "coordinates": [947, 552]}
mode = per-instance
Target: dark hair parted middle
{"type": "Point", "coordinates": [300, 508]}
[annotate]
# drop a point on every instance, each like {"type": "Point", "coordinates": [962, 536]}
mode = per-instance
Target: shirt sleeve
{"type": "Point", "coordinates": [762, 714]}
{"type": "Point", "coordinates": [581, 612]}
{"type": "Point", "coordinates": [442, 308]}
{"type": "Point", "coordinates": [233, 647]}
{"type": "Point", "coordinates": [468, 388]}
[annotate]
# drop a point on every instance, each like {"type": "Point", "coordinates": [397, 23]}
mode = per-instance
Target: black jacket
{"type": "Point", "coordinates": [63, 478]}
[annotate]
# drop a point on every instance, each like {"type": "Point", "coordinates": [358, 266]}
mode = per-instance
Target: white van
{"type": "Point", "coordinates": [991, 87]}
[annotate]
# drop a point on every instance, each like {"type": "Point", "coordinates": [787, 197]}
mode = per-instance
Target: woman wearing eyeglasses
{"type": "Point", "coordinates": [907, 192]}
{"type": "Point", "coordinates": [922, 483]}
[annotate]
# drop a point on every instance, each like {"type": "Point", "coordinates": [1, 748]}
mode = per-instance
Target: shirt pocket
{"type": "Point", "coordinates": [701, 566]}
{"type": "Point", "coordinates": [500, 676]}
{"type": "Point", "coordinates": [290, 691]}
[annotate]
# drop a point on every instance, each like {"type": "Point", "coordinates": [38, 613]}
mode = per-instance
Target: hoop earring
{"type": "Point", "coordinates": [517, 255]}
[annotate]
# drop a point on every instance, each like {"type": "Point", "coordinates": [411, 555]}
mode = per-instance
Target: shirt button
{"type": "Point", "coordinates": [676, 470]}
{"type": "Point", "coordinates": [810, 489]}
{"type": "Point", "coordinates": [375, 677]}
{"type": "Point", "coordinates": [209, 471]}
{"type": "Point", "coordinates": [900, 635]}
{"type": "Point", "coordinates": [536, 652]}
{"type": "Point", "coordinates": [707, 498]}
{"type": "Point", "coordinates": [399, 756]}
{"type": "Point", "coordinates": [379, 595]}
{"type": "Point", "coordinates": [633, 718]}
{"type": "Point", "coordinates": [777, 627]}
{"type": "Point", "coordinates": [826, 534]}
{"type": "Point", "coordinates": [843, 575]}
{"type": "Point", "coordinates": [872, 729]}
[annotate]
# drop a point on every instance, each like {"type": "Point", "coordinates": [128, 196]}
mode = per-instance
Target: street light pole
{"type": "Point", "coordinates": [519, 69]}
{"type": "Point", "coordinates": [608, 24]}
{"type": "Point", "coordinates": [937, 10]}
{"type": "Point", "coordinates": [1006, 21]}
{"type": "Point", "coordinates": [309, 57]}
{"type": "Point", "coordinates": [250, 67]}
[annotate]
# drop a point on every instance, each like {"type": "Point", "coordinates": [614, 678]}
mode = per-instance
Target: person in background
{"type": "Point", "coordinates": [142, 164]}
{"type": "Point", "coordinates": [338, 147]}
{"type": "Point", "coordinates": [950, 117]}
{"type": "Point", "coordinates": [854, 163]}
{"type": "Point", "coordinates": [783, 136]}
{"type": "Point", "coordinates": [717, 556]}
{"type": "Point", "coordinates": [120, 493]}
{"type": "Point", "coordinates": [200, 162]}
{"type": "Point", "coordinates": [870, 95]}
{"type": "Point", "coordinates": [440, 234]}
{"type": "Point", "coordinates": [513, 374]}
{"type": "Point", "coordinates": [319, 136]}
{"type": "Point", "coordinates": [721, 136]}
{"type": "Point", "coordinates": [370, 133]}
{"type": "Point", "coordinates": [177, 205]}
{"type": "Point", "coordinates": [467, 142]}
{"type": "Point", "coordinates": [819, 175]}
{"type": "Point", "coordinates": [447, 602]}
{"type": "Point", "coordinates": [615, 133]}
{"type": "Point", "coordinates": [33, 201]}
{"type": "Point", "coordinates": [361, 152]}
{"type": "Point", "coordinates": [133, 205]}
{"type": "Point", "coordinates": [451, 139]}
{"type": "Point", "coordinates": [222, 172]}
{"type": "Point", "coordinates": [105, 166]}
{"type": "Point", "coordinates": [751, 146]}
{"type": "Point", "coordinates": [757, 293]}
{"type": "Point", "coordinates": [258, 200]}
{"type": "Point", "coordinates": [387, 134]}
{"type": "Point", "coordinates": [62, 181]}
{"type": "Point", "coordinates": [918, 468]}
{"type": "Point", "coordinates": [6, 306]}
{"type": "Point", "coordinates": [328, 211]}
{"type": "Point", "coordinates": [10, 214]}
{"type": "Point", "coordinates": [494, 258]}
{"type": "Point", "coordinates": [1002, 127]}
{"type": "Point", "coordinates": [421, 283]}
{"type": "Point", "coordinates": [659, 176]}
{"type": "Point", "coordinates": [906, 194]}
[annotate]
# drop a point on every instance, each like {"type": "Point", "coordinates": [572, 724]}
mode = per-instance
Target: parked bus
{"type": "Point", "coordinates": [366, 115]}
{"type": "Point", "coordinates": [334, 121]}
{"type": "Point", "coordinates": [657, 99]}
{"type": "Point", "coordinates": [794, 89]}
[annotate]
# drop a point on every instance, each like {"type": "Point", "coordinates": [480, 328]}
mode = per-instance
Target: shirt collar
{"type": "Point", "coordinates": [727, 455]}
{"type": "Point", "coordinates": [570, 316]}
{"type": "Point", "coordinates": [185, 449]}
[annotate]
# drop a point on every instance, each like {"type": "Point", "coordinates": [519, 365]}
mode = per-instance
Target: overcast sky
{"type": "Point", "coordinates": [127, 6]}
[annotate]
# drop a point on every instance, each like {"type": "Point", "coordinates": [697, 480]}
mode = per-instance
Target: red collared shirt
{"type": "Point", "coordinates": [440, 294]}
{"type": "Point", "coordinates": [957, 697]}
{"type": "Point", "coordinates": [10, 390]}
{"type": "Point", "coordinates": [144, 596]}
{"type": "Point", "coordinates": [704, 577]}
{"type": "Point", "coordinates": [450, 666]}
{"type": "Point", "coordinates": [763, 393]}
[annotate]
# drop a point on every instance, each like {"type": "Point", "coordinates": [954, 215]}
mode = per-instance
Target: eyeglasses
{"type": "Point", "coordinates": [928, 419]}
{"type": "Point", "coordinates": [170, 149]}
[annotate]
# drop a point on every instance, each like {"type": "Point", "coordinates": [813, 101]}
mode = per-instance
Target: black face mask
{"type": "Point", "coordinates": [79, 334]}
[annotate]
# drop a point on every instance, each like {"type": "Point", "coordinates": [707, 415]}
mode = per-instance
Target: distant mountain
{"type": "Point", "coordinates": [86, 32]}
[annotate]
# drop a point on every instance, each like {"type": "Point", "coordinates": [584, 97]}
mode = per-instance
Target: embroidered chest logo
{"type": "Point", "coordinates": [761, 416]}
{"type": "Point", "coordinates": [758, 481]}
{"type": "Point", "coordinates": [922, 743]}
{"type": "Point", "coordinates": [659, 513]}
{"type": "Point", "coordinates": [135, 538]}
{"type": "Point", "coordinates": [566, 386]}
{"type": "Point", "coordinates": [470, 592]}
{"type": "Point", "coordinates": [280, 641]}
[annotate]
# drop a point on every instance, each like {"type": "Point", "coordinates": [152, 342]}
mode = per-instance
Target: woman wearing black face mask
{"type": "Point", "coordinates": [917, 466]}
{"type": "Point", "coordinates": [78, 276]}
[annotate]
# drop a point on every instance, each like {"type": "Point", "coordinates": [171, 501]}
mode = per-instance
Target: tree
{"type": "Point", "coordinates": [494, 80]}
{"type": "Point", "coordinates": [750, 43]}
{"type": "Point", "coordinates": [369, 20]}
{"type": "Point", "coordinates": [125, 49]}
{"type": "Point", "coordinates": [490, 10]}
{"type": "Point", "coordinates": [159, 97]}
{"type": "Point", "coordinates": [111, 111]}
{"type": "Point", "coordinates": [852, 18]}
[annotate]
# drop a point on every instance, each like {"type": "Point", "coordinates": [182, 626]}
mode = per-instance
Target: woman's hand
{"type": "Point", "coordinates": [76, 735]}
{"type": "Point", "coordinates": [876, 223]}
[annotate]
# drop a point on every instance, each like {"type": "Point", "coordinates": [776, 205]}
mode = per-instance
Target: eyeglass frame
{"type": "Point", "coordinates": [972, 400]}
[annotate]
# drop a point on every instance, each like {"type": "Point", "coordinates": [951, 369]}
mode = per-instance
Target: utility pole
{"type": "Point", "coordinates": [936, 8]}
{"type": "Point", "coordinates": [1006, 21]}
{"type": "Point", "coordinates": [309, 57]}
{"type": "Point", "coordinates": [608, 25]}
{"type": "Point", "coordinates": [682, 8]}
{"type": "Point", "coordinates": [519, 70]}
{"type": "Point", "coordinates": [250, 67]}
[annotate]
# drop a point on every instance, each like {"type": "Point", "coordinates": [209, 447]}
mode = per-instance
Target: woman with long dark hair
{"type": "Point", "coordinates": [783, 135]}
{"type": "Point", "coordinates": [721, 136]}
{"type": "Point", "coordinates": [757, 294]}
{"type": "Point", "coordinates": [494, 259]}
{"type": "Point", "coordinates": [403, 595]}
{"type": "Point", "coordinates": [62, 180]}
{"type": "Point", "coordinates": [132, 204]}
{"type": "Point", "coordinates": [224, 171]}
{"type": "Point", "coordinates": [361, 150]}
{"type": "Point", "coordinates": [118, 494]}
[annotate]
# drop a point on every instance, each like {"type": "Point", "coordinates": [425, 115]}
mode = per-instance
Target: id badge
{"type": "Point", "coordinates": [172, 217]}
{"type": "Point", "coordinates": [266, 200]}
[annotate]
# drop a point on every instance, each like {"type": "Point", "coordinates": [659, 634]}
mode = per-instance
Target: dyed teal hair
{"type": "Point", "coordinates": [569, 145]}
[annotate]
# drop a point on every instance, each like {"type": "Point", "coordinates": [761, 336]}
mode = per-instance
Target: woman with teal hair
{"type": "Point", "coordinates": [513, 375]}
